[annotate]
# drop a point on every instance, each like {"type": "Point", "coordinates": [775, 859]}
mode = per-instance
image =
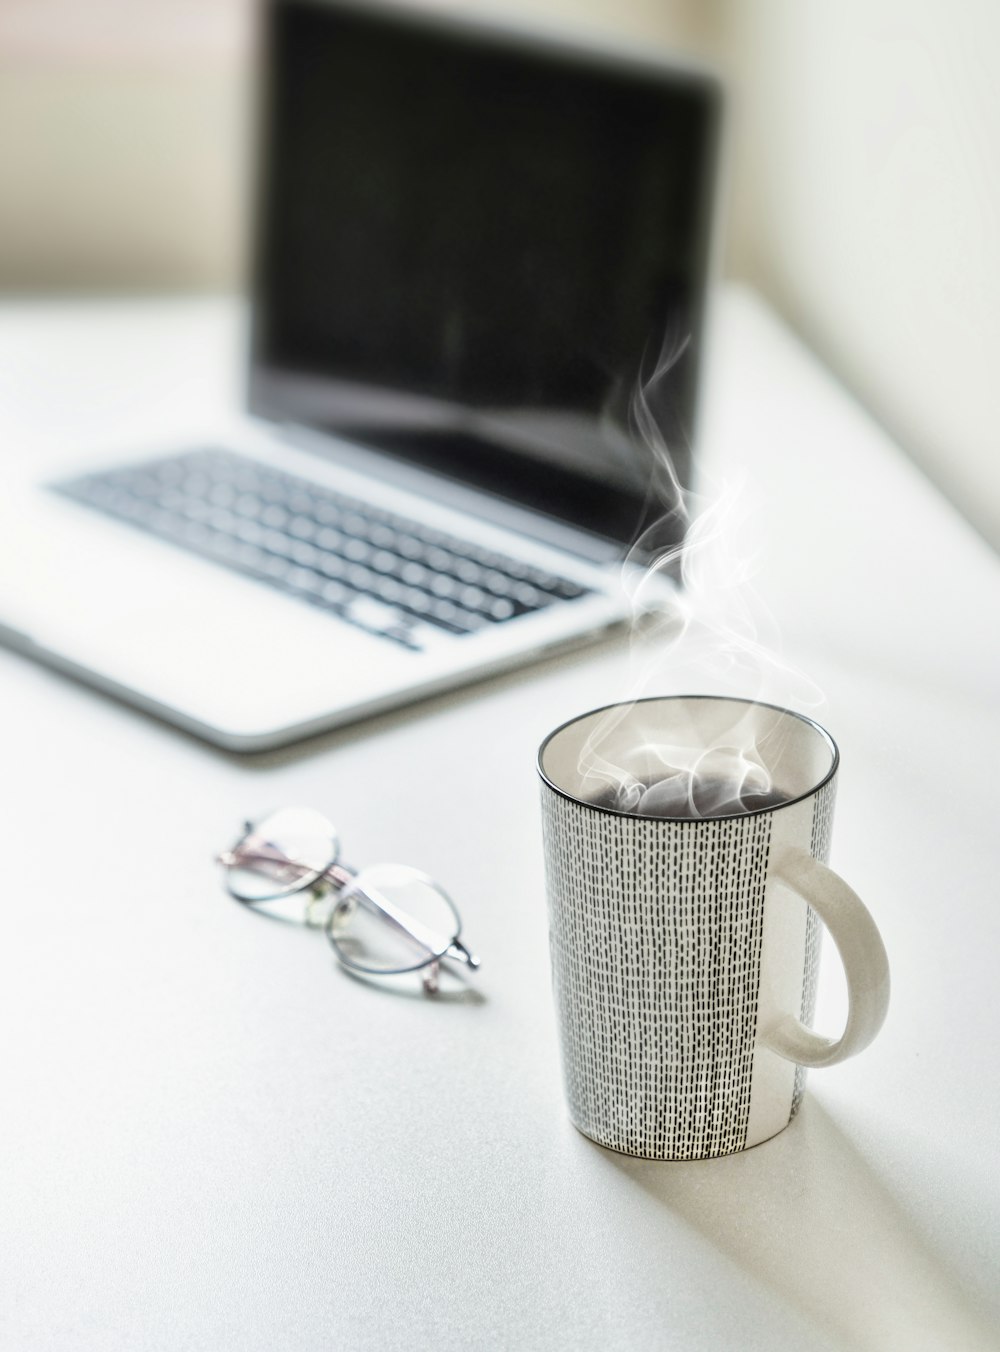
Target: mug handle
{"type": "Point", "coordinates": [861, 951]}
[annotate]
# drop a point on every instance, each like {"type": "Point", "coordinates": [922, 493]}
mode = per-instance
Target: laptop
{"type": "Point", "coordinates": [469, 245]}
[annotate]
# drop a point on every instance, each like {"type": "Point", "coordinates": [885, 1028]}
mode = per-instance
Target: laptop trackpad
{"type": "Point", "coordinates": [263, 659]}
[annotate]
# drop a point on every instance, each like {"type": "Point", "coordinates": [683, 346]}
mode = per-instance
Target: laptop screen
{"type": "Point", "coordinates": [471, 246]}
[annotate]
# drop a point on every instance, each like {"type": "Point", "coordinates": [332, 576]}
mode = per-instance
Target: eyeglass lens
{"type": "Point", "coordinates": [392, 918]}
{"type": "Point", "coordinates": [282, 854]}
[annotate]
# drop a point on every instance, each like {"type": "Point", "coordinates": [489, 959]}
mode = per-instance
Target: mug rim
{"type": "Point", "coordinates": [689, 821]}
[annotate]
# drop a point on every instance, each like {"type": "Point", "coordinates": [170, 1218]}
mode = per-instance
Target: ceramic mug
{"type": "Point", "coordinates": [685, 951]}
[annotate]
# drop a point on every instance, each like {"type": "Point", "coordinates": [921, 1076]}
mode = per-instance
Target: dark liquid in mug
{"type": "Point", "coordinates": [686, 802]}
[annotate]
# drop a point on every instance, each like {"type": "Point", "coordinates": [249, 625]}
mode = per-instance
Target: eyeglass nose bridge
{"type": "Point", "coordinates": [323, 893]}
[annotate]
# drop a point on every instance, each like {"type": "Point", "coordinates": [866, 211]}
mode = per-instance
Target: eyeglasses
{"type": "Point", "coordinates": [382, 920]}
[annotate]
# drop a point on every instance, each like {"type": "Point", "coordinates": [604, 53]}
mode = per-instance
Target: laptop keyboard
{"type": "Point", "coordinates": [384, 573]}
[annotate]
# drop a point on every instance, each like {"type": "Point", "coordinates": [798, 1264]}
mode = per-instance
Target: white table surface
{"type": "Point", "coordinates": [212, 1138]}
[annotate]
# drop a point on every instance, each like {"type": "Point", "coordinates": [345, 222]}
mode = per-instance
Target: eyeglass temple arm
{"type": "Point", "coordinates": [458, 950]}
{"type": "Point", "coordinates": [337, 874]}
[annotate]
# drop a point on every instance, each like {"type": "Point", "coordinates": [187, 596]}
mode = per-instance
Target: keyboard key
{"type": "Point", "coordinates": [467, 570]}
{"type": "Point", "coordinates": [358, 551]}
{"type": "Point", "coordinates": [443, 585]}
{"type": "Point", "coordinates": [308, 556]}
{"type": "Point", "coordinates": [529, 597]}
{"type": "Point", "coordinates": [409, 547]}
{"type": "Point", "coordinates": [302, 527]}
{"type": "Point", "coordinates": [390, 590]}
{"type": "Point", "coordinates": [568, 591]}
{"type": "Point", "coordinates": [500, 608]}
{"type": "Point", "coordinates": [439, 560]}
{"type": "Point", "coordinates": [372, 614]}
{"type": "Point", "coordinates": [332, 566]}
{"type": "Point", "coordinates": [415, 574]}
{"type": "Point", "coordinates": [329, 540]}
{"type": "Point", "coordinates": [221, 494]}
{"type": "Point", "coordinates": [276, 542]}
{"type": "Point", "coordinates": [472, 598]}
{"type": "Point", "coordinates": [335, 594]}
{"type": "Point", "coordinates": [305, 580]}
{"type": "Point", "coordinates": [382, 537]}
{"type": "Point", "coordinates": [248, 531]}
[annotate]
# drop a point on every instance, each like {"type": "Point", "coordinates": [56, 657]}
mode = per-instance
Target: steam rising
{"type": "Point", "coordinates": [699, 627]}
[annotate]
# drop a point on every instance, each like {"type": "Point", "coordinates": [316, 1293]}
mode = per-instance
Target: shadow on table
{"type": "Point", "coordinates": [806, 1215]}
{"type": "Point", "coordinates": [455, 988]}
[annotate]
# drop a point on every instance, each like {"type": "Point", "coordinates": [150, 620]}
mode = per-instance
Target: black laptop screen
{"type": "Point", "coordinates": [469, 247]}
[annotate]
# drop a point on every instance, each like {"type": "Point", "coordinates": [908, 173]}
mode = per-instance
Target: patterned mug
{"type": "Point", "coordinates": [685, 948]}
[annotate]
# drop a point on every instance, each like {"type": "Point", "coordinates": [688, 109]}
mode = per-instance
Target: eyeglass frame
{"type": "Point", "coordinates": [334, 879]}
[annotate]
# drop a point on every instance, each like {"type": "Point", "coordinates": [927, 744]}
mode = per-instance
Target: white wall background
{"type": "Point", "coordinates": [866, 202]}
{"type": "Point", "coordinates": [122, 161]}
{"type": "Point", "coordinates": [868, 205]}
